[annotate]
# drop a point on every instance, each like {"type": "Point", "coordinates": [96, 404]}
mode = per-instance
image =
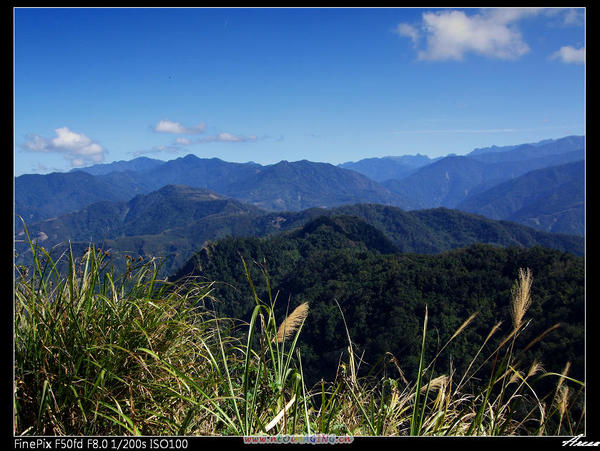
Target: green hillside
{"type": "Point", "coordinates": [383, 293]}
{"type": "Point", "coordinates": [176, 221]}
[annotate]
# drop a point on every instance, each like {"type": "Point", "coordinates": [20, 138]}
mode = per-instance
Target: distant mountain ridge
{"type": "Point", "coordinates": [304, 184]}
{"type": "Point", "coordinates": [457, 181]}
{"type": "Point", "coordinates": [548, 146]}
{"type": "Point", "coordinates": [139, 164]}
{"type": "Point", "coordinates": [386, 168]}
{"type": "Point", "coordinates": [550, 198]}
{"type": "Point", "coordinates": [170, 207]}
{"type": "Point", "coordinates": [421, 183]}
{"type": "Point", "coordinates": [453, 179]}
{"type": "Point", "coordinates": [209, 173]}
{"type": "Point", "coordinates": [281, 186]}
{"type": "Point", "coordinates": [39, 197]}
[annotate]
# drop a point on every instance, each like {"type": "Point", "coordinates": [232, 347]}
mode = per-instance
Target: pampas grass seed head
{"type": "Point", "coordinates": [291, 324]}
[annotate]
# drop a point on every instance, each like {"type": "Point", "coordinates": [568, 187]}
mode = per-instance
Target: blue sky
{"type": "Point", "coordinates": [264, 85]}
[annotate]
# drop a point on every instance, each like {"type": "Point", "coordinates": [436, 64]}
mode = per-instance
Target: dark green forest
{"type": "Point", "coordinates": [383, 294]}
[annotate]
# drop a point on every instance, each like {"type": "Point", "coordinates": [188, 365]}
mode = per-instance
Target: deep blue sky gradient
{"type": "Point", "coordinates": [329, 85]}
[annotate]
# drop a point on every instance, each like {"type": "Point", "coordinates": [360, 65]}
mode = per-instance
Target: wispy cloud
{"type": "Point", "coordinates": [227, 138]}
{"type": "Point", "coordinates": [76, 147]}
{"type": "Point", "coordinates": [566, 17]}
{"type": "Point", "coordinates": [570, 55]}
{"type": "Point", "coordinates": [574, 17]}
{"type": "Point", "coordinates": [181, 144]}
{"type": "Point", "coordinates": [41, 168]}
{"type": "Point", "coordinates": [167, 126]}
{"type": "Point", "coordinates": [156, 150]}
{"type": "Point", "coordinates": [407, 30]}
{"type": "Point", "coordinates": [460, 131]}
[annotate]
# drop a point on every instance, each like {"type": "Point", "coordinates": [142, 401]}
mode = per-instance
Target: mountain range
{"type": "Point", "coordinates": [281, 186]}
{"type": "Point", "coordinates": [551, 199]}
{"type": "Point", "coordinates": [169, 209]}
{"type": "Point", "coordinates": [389, 168]}
{"type": "Point", "coordinates": [454, 179]}
{"type": "Point", "coordinates": [174, 221]}
{"type": "Point", "coordinates": [409, 182]}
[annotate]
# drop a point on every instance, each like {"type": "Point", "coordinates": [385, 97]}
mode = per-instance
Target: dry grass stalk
{"type": "Point", "coordinates": [562, 392]}
{"type": "Point", "coordinates": [565, 371]}
{"type": "Point", "coordinates": [541, 337]}
{"type": "Point", "coordinates": [464, 325]}
{"type": "Point", "coordinates": [458, 331]}
{"type": "Point", "coordinates": [291, 324]}
{"type": "Point", "coordinates": [563, 400]}
{"type": "Point", "coordinates": [438, 383]}
{"type": "Point", "coordinates": [536, 367]}
{"type": "Point", "coordinates": [493, 331]}
{"type": "Point", "coordinates": [516, 376]}
{"type": "Point", "coordinates": [521, 297]}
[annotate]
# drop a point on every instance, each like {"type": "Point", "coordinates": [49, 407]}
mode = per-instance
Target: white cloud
{"type": "Point", "coordinates": [76, 147]}
{"type": "Point", "coordinates": [37, 144]}
{"type": "Point", "coordinates": [450, 34]}
{"type": "Point", "coordinates": [570, 55]}
{"type": "Point", "coordinates": [228, 137]}
{"type": "Point", "coordinates": [176, 147]}
{"type": "Point", "coordinates": [405, 29]}
{"type": "Point", "coordinates": [75, 143]}
{"type": "Point", "coordinates": [167, 126]}
{"type": "Point", "coordinates": [508, 15]}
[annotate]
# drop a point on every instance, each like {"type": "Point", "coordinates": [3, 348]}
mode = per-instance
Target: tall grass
{"type": "Point", "coordinates": [83, 347]}
{"type": "Point", "coordinates": [101, 354]}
